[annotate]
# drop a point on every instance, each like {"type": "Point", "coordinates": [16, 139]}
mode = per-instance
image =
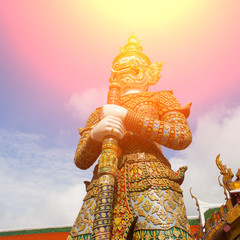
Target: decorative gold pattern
{"type": "Point", "coordinates": [123, 214]}
{"type": "Point", "coordinates": [171, 234]}
{"type": "Point", "coordinates": [145, 174]}
{"type": "Point", "coordinates": [169, 128]}
{"type": "Point", "coordinates": [159, 212]}
{"type": "Point", "coordinates": [84, 221]}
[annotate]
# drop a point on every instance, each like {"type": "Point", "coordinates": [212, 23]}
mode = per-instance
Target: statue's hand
{"type": "Point", "coordinates": [108, 126]}
{"type": "Point", "coordinates": [114, 110]}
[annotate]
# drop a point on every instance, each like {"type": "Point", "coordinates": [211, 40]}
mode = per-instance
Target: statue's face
{"type": "Point", "coordinates": [130, 73]}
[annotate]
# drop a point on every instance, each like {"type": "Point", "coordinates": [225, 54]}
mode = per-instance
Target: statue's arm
{"type": "Point", "coordinates": [88, 149]}
{"type": "Point", "coordinates": [171, 130]}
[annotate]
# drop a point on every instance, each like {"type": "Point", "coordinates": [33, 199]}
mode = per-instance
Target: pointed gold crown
{"type": "Point", "coordinates": [132, 48]}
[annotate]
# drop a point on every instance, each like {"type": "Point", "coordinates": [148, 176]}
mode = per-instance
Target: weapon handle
{"type": "Point", "coordinates": [107, 171]}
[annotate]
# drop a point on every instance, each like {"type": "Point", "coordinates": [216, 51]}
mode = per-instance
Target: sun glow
{"type": "Point", "coordinates": [61, 41]}
{"type": "Point", "coordinates": [143, 13]}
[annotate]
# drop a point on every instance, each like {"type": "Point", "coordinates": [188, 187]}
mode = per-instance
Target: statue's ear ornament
{"type": "Point", "coordinates": [154, 72]}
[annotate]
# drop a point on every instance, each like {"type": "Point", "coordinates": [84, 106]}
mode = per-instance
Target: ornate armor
{"type": "Point", "coordinates": [148, 201]}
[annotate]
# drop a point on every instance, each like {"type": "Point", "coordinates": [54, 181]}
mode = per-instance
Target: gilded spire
{"type": "Point", "coordinates": [197, 204]}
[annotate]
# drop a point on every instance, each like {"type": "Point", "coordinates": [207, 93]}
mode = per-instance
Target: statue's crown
{"type": "Point", "coordinates": [132, 45]}
{"type": "Point", "coordinates": [132, 48]}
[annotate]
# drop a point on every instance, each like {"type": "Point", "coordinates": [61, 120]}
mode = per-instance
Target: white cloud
{"type": "Point", "coordinates": [81, 105]}
{"type": "Point", "coordinates": [39, 187]}
{"type": "Point", "coordinates": [66, 137]}
{"type": "Point", "coordinates": [217, 132]}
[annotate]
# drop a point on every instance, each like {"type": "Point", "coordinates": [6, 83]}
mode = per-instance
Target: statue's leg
{"type": "Point", "coordinates": [161, 215]}
{"type": "Point", "coordinates": [82, 227]}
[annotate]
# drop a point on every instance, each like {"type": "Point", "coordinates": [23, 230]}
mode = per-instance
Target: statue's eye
{"type": "Point", "coordinates": [133, 63]}
{"type": "Point", "coordinates": [136, 71]}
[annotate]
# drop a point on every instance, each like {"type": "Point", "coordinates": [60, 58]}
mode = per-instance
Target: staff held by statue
{"type": "Point", "coordinates": [107, 166]}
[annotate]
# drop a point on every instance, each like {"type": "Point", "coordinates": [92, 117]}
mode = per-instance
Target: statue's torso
{"type": "Point", "coordinates": [146, 185]}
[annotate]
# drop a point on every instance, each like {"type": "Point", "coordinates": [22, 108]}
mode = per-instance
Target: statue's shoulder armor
{"type": "Point", "coordinates": [166, 102]}
{"type": "Point", "coordinates": [163, 99]}
{"type": "Point", "coordinates": [166, 98]}
{"type": "Point", "coordinates": [162, 102]}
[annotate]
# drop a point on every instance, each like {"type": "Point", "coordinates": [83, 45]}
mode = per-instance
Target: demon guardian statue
{"type": "Point", "coordinates": [134, 193]}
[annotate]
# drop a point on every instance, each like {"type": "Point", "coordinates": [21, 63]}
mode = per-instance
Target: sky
{"type": "Point", "coordinates": [55, 60]}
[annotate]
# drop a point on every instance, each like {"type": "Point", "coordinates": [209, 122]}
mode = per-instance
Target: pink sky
{"type": "Point", "coordinates": [55, 59]}
{"type": "Point", "coordinates": [71, 45]}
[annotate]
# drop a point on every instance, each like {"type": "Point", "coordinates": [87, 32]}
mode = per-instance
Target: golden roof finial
{"type": "Point", "coordinates": [197, 204]}
{"type": "Point", "coordinates": [238, 174]}
{"type": "Point", "coordinates": [227, 176]}
{"type": "Point", "coordinates": [198, 207]}
{"type": "Point", "coordinates": [225, 172]}
{"type": "Point", "coordinates": [225, 190]}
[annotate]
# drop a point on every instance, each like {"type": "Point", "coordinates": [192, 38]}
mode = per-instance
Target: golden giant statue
{"type": "Point", "coordinates": [134, 193]}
